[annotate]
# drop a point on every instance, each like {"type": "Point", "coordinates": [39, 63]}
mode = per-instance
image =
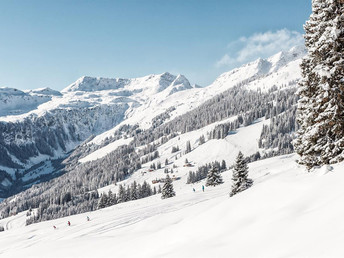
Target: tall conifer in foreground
{"type": "Point", "coordinates": [320, 139]}
{"type": "Point", "coordinates": [240, 176]}
{"type": "Point", "coordinates": [167, 190]}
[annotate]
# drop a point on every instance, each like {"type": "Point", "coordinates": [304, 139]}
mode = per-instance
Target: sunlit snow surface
{"type": "Point", "coordinates": [287, 213]}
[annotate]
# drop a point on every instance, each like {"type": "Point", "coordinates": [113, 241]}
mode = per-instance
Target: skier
{"type": "Point", "coordinates": [203, 188]}
{"type": "Point", "coordinates": [193, 189]}
{"type": "Point", "coordinates": [54, 227]}
{"type": "Point", "coordinates": [68, 223]}
{"type": "Point", "coordinates": [88, 218]}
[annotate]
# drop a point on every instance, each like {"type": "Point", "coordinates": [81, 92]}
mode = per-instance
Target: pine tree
{"type": "Point", "coordinates": [111, 199]}
{"type": "Point", "coordinates": [320, 138]}
{"type": "Point", "coordinates": [103, 201]}
{"type": "Point", "coordinates": [188, 147]}
{"type": "Point", "coordinates": [223, 165]}
{"type": "Point", "coordinates": [167, 190]}
{"type": "Point", "coordinates": [134, 195]}
{"type": "Point", "coordinates": [121, 194]}
{"type": "Point", "coordinates": [127, 194]}
{"type": "Point", "coordinates": [214, 176]}
{"type": "Point", "coordinates": [240, 175]}
{"type": "Point", "coordinates": [201, 140]}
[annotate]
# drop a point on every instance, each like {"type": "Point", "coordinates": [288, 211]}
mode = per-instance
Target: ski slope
{"type": "Point", "coordinates": [287, 213]}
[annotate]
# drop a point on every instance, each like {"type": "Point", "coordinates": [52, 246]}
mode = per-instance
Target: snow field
{"type": "Point", "coordinates": [287, 213]}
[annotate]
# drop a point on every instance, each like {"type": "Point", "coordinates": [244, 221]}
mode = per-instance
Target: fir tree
{"type": "Point", "coordinates": [134, 195]}
{"type": "Point", "coordinates": [214, 177]}
{"type": "Point", "coordinates": [188, 147]}
{"type": "Point", "coordinates": [121, 194]}
{"type": "Point", "coordinates": [103, 201]}
{"type": "Point", "coordinates": [201, 140]}
{"type": "Point", "coordinates": [167, 190]}
{"type": "Point", "coordinates": [320, 139]}
{"type": "Point", "coordinates": [223, 165]}
{"type": "Point", "coordinates": [240, 175]}
{"type": "Point", "coordinates": [110, 199]}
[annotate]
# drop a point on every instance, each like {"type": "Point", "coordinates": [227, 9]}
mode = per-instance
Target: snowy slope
{"type": "Point", "coordinates": [99, 106]}
{"type": "Point", "coordinates": [14, 102]}
{"type": "Point", "coordinates": [281, 70]}
{"type": "Point", "coordinates": [287, 213]}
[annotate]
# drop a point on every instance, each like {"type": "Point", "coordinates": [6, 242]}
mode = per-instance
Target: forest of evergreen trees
{"type": "Point", "coordinates": [76, 190]}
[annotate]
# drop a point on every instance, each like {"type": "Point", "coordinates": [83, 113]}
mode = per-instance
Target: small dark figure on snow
{"type": "Point", "coordinates": [68, 223]}
{"type": "Point", "coordinates": [193, 189]}
{"type": "Point", "coordinates": [203, 188]}
{"type": "Point", "coordinates": [88, 218]}
{"type": "Point", "coordinates": [55, 227]}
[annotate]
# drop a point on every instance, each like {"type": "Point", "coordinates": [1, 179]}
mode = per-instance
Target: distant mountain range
{"type": "Point", "coordinates": [41, 128]}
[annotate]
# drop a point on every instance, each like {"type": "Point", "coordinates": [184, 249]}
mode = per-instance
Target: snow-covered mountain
{"type": "Point", "coordinates": [140, 130]}
{"type": "Point", "coordinates": [42, 125]}
{"type": "Point", "coordinates": [14, 101]}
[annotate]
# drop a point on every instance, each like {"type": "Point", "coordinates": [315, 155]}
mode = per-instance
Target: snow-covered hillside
{"type": "Point", "coordinates": [44, 124]}
{"type": "Point", "coordinates": [284, 214]}
{"type": "Point", "coordinates": [15, 102]}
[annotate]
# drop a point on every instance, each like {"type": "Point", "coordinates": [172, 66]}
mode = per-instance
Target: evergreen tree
{"type": "Point", "coordinates": [121, 194]}
{"type": "Point", "coordinates": [167, 190]}
{"type": "Point", "coordinates": [214, 176]}
{"type": "Point", "coordinates": [103, 201]}
{"type": "Point", "coordinates": [320, 138]}
{"type": "Point", "coordinates": [201, 140]}
{"type": "Point", "coordinates": [111, 199]}
{"type": "Point", "coordinates": [127, 194]}
{"type": "Point", "coordinates": [240, 175]}
{"type": "Point", "coordinates": [223, 165]}
{"type": "Point", "coordinates": [188, 147]}
{"type": "Point", "coordinates": [134, 195]}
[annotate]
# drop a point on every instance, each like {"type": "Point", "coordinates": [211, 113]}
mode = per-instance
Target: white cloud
{"type": "Point", "coordinates": [260, 45]}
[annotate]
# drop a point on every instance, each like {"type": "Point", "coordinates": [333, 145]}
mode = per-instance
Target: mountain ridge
{"type": "Point", "coordinates": [53, 135]}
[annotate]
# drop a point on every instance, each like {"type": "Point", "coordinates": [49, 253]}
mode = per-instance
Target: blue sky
{"type": "Point", "coordinates": [52, 43]}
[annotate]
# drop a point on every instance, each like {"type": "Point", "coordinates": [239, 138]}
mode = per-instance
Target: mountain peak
{"type": "Point", "coordinates": [153, 83]}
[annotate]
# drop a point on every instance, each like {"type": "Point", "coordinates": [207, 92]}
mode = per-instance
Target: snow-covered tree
{"type": "Point", "coordinates": [240, 175]}
{"type": "Point", "coordinates": [167, 190]}
{"type": "Point", "coordinates": [223, 165]}
{"type": "Point", "coordinates": [111, 200]}
{"type": "Point", "coordinates": [188, 147]}
{"type": "Point", "coordinates": [134, 192]}
{"type": "Point", "coordinates": [121, 194]}
{"type": "Point", "coordinates": [201, 140]}
{"type": "Point", "coordinates": [320, 139]}
{"type": "Point", "coordinates": [214, 176]}
{"type": "Point", "coordinates": [103, 201]}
